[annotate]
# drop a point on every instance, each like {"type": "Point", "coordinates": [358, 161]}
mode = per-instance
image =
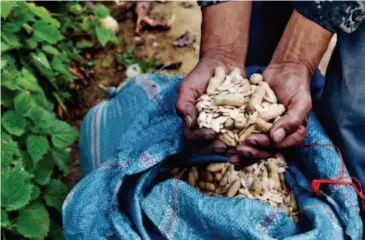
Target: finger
{"type": "Point", "coordinates": [186, 105]}
{"type": "Point", "coordinates": [190, 89]}
{"type": "Point", "coordinates": [251, 152]}
{"type": "Point", "coordinates": [218, 146]}
{"type": "Point", "coordinates": [235, 159]}
{"type": "Point", "coordinates": [259, 140]}
{"type": "Point", "coordinates": [244, 162]}
{"type": "Point", "coordinates": [231, 152]}
{"type": "Point", "coordinates": [298, 109]}
{"type": "Point", "coordinates": [295, 138]}
{"type": "Point", "coordinates": [199, 134]}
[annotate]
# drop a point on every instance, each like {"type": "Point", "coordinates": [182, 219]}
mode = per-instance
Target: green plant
{"type": "Point", "coordinates": [35, 59]}
{"type": "Point", "coordinates": [80, 21]}
{"type": "Point", "coordinates": [128, 59]}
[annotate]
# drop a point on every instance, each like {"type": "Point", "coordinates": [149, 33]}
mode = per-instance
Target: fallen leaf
{"type": "Point", "coordinates": [142, 9]}
{"type": "Point", "coordinates": [184, 40]}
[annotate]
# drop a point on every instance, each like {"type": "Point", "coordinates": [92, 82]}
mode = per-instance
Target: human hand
{"type": "Point", "coordinates": [192, 87]}
{"type": "Point", "coordinates": [295, 60]}
{"type": "Point", "coordinates": [291, 84]}
{"type": "Point", "coordinates": [224, 41]}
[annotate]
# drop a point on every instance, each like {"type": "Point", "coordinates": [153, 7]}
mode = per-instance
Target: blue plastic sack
{"type": "Point", "coordinates": [124, 143]}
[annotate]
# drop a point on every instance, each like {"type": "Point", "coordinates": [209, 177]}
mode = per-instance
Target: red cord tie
{"type": "Point", "coordinates": [340, 180]}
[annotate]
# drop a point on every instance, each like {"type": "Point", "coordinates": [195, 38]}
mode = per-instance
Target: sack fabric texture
{"type": "Point", "coordinates": [124, 145]}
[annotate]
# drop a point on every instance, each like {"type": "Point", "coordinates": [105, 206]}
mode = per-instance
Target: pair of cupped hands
{"type": "Point", "coordinates": [289, 81]}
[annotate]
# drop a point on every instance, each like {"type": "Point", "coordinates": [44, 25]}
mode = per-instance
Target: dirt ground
{"type": "Point", "coordinates": [157, 44]}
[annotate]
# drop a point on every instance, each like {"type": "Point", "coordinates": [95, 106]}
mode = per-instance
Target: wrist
{"type": "Point", "coordinates": [221, 57]}
{"type": "Point", "coordinates": [303, 42]}
{"type": "Point", "coordinates": [225, 28]}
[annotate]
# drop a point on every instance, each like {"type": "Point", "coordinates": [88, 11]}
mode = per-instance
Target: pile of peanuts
{"type": "Point", "coordinates": [236, 107]}
{"type": "Point", "coordinates": [263, 181]}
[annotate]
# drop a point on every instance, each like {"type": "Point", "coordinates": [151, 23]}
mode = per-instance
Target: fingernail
{"type": "Point", "coordinates": [188, 121]}
{"type": "Point", "coordinates": [279, 135]}
{"type": "Point", "coordinates": [209, 136]}
{"type": "Point", "coordinates": [219, 150]}
{"type": "Point", "coordinates": [234, 159]}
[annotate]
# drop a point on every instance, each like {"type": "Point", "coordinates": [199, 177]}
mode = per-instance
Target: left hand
{"type": "Point", "coordinates": [291, 84]}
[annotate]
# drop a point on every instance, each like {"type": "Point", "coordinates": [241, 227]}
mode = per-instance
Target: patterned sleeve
{"type": "Point", "coordinates": [333, 15]}
{"type": "Point", "coordinates": [208, 3]}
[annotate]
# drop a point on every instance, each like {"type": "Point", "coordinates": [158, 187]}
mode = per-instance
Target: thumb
{"type": "Point", "coordinates": [298, 109]}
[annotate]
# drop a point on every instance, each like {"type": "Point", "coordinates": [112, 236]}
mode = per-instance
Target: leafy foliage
{"type": "Point", "coordinates": [33, 221]}
{"type": "Point", "coordinates": [37, 50]}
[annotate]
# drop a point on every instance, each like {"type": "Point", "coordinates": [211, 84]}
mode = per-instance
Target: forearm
{"type": "Point", "coordinates": [225, 29]}
{"type": "Point", "coordinates": [303, 42]}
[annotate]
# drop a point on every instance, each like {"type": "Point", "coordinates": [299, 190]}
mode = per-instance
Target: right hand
{"type": "Point", "coordinates": [191, 88]}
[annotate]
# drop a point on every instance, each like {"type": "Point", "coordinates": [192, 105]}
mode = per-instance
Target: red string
{"type": "Point", "coordinates": [340, 180]}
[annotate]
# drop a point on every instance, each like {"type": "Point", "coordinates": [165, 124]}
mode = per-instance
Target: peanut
{"type": "Point", "coordinates": [233, 189]}
{"type": "Point", "coordinates": [269, 93]}
{"type": "Point", "coordinates": [231, 99]}
{"type": "Point", "coordinates": [256, 99]}
{"type": "Point", "coordinates": [245, 133]}
{"type": "Point", "coordinates": [262, 125]}
{"type": "Point", "coordinates": [215, 167]}
{"type": "Point", "coordinates": [263, 181]}
{"type": "Point", "coordinates": [218, 78]}
{"type": "Point", "coordinates": [229, 124]}
{"type": "Point", "coordinates": [273, 112]}
{"type": "Point", "coordinates": [256, 78]}
{"type": "Point", "coordinates": [227, 139]}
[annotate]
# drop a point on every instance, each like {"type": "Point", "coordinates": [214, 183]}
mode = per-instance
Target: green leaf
{"type": "Point", "coordinates": [103, 35]}
{"type": "Point", "coordinates": [11, 39]}
{"type": "Point", "coordinates": [3, 64]}
{"type": "Point", "coordinates": [56, 231]}
{"type": "Point", "coordinates": [23, 103]}
{"type": "Point", "coordinates": [36, 192]}
{"type": "Point", "coordinates": [62, 68]}
{"type": "Point", "coordinates": [26, 80]}
{"type": "Point", "coordinates": [43, 119]}
{"type": "Point", "coordinates": [55, 194]}
{"type": "Point", "coordinates": [6, 8]}
{"type": "Point", "coordinates": [63, 134]}
{"type": "Point", "coordinates": [37, 147]}
{"type": "Point", "coordinates": [7, 97]}
{"type": "Point", "coordinates": [5, 47]}
{"type": "Point", "coordinates": [43, 172]}
{"type": "Point", "coordinates": [43, 31]}
{"type": "Point", "coordinates": [43, 14]}
{"type": "Point", "coordinates": [15, 23]}
{"type": "Point", "coordinates": [31, 43]}
{"type": "Point", "coordinates": [101, 11]}
{"type": "Point", "coordinates": [5, 223]}
{"type": "Point", "coordinates": [84, 44]}
{"type": "Point", "coordinates": [16, 188]}
{"type": "Point", "coordinates": [41, 59]}
{"type": "Point", "coordinates": [9, 150]}
{"type": "Point", "coordinates": [62, 159]}
{"type": "Point", "coordinates": [14, 123]}
{"type": "Point", "coordinates": [33, 221]}
{"type": "Point", "coordinates": [51, 50]}
{"type": "Point", "coordinates": [85, 25]}
{"type": "Point", "coordinates": [28, 163]}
